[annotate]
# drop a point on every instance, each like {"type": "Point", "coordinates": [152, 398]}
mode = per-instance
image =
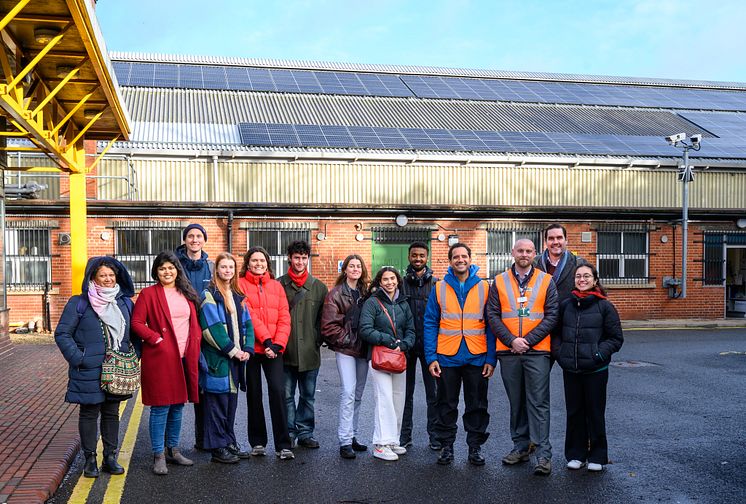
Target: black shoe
{"type": "Point", "coordinates": [435, 445]}
{"type": "Point", "coordinates": [111, 466]}
{"type": "Point", "coordinates": [475, 456]}
{"type": "Point", "coordinates": [308, 442]}
{"type": "Point", "coordinates": [90, 469]}
{"type": "Point", "coordinates": [236, 450]}
{"type": "Point", "coordinates": [357, 446]}
{"type": "Point", "coordinates": [347, 452]}
{"type": "Point", "coordinates": [223, 456]}
{"type": "Point", "coordinates": [446, 455]}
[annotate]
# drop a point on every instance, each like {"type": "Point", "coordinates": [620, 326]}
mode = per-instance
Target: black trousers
{"type": "Point", "coordinates": [585, 434]}
{"type": "Point", "coordinates": [275, 376]}
{"type": "Point", "coordinates": [88, 428]}
{"type": "Point", "coordinates": [199, 422]}
{"type": "Point", "coordinates": [476, 418]}
{"type": "Point", "coordinates": [431, 398]}
{"type": "Point", "coordinates": [219, 415]}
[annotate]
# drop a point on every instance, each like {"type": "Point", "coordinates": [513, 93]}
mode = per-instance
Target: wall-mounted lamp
{"type": "Point", "coordinates": [64, 70]}
{"type": "Point", "coordinates": [401, 220]}
{"type": "Point", "coordinates": [359, 237]}
{"type": "Point", "coordinates": [320, 236]}
{"type": "Point", "coordinates": [441, 237]}
{"type": "Point", "coordinates": [90, 113]}
{"type": "Point", "coordinates": [44, 34]}
{"type": "Point", "coordinates": [452, 240]}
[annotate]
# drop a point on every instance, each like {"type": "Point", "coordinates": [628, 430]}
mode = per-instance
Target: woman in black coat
{"type": "Point", "coordinates": [590, 333]}
{"type": "Point", "coordinates": [103, 310]}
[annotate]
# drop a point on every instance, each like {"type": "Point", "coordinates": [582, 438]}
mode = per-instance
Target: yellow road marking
{"type": "Point", "coordinates": [115, 489]}
{"type": "Point", "coordinates": [83, 488]}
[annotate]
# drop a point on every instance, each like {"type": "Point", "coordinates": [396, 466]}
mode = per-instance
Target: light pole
{"type": "Point", "coordinates": [685, 176]}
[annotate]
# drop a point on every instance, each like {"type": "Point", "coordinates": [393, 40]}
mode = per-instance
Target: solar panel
{"type": "Point", "coordinates": [476, 141]}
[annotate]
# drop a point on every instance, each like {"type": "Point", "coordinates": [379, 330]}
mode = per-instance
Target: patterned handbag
{"type": "Point", "coordinates": [120, 372]}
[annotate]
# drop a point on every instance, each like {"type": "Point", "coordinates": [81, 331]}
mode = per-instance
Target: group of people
{"type": "Point", "coordinates": [206, 330]}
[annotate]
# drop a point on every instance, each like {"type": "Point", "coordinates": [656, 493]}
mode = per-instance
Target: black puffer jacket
{"type": "Point", "coordinates": [590, 333]}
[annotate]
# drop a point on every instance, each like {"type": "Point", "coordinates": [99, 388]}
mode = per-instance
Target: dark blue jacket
{"type": "Point", "coordinates": [80, 337]}
{"type": "Point", "coordinates": [199, 272]}
{"type": "Point", "coordinates": [432, 325]}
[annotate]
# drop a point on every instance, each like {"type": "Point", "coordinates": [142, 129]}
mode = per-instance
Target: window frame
{"type": "Point", "coordinates": [279, 261]}
{"type": "Point", "coordinates": [506, 257]}
{"type": "Point", "coordinates": [14, 261]}
{"type": "Point", "coordinates": [147, 257]}
{"type": "Point", "coordinates": [622, 257]}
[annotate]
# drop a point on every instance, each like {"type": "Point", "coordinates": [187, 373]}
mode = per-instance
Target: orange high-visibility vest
{"type": "Point", "coordinates": [536, 294]}
{"type": "Point", "coordinates": [457, 324]}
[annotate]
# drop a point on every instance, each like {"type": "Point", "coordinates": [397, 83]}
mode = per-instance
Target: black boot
{"type": "Point", "coordinates": [446, 455]}
{"type": "Point", "coordinates": [475, 456]}
{"type": "Point", "coordinates": [90, 469]}
{"type": "Point", "coordinates": [110, 465]}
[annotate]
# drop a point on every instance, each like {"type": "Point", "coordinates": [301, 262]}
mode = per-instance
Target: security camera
{"type": "Point", "coordinates": [678, 137]}
{"type": "Point", "coordinates": [695, 139]}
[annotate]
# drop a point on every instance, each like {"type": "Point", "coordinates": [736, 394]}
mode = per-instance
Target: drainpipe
{"type": "Point", "coordinates": [230, 231]}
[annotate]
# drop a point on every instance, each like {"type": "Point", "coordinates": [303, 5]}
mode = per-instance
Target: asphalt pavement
{"type": "Point", "coordinates": [676, 426]}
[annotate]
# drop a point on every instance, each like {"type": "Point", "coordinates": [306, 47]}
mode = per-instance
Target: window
{"type": "Point", "coordinates": [137, 247]}
{"type": "Point", "coordinates": [622, 256]}
{"type": "Point", "coordinates": [276, 242]}
{"type": "Point", "coordinates": [27, 258]}
{"type": "Point", "coordinates": [500, 243]}
{"type": "Point", "coordinates": [714, 259]}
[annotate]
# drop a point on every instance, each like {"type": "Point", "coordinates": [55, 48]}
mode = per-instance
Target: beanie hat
{"type": "Point", "coordinates": [193, 226]}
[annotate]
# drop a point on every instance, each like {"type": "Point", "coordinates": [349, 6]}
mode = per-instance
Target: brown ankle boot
{"type": "Point", "coordinates": [174, 456]}
{"type": "Point", "coordinates": [159, 464]}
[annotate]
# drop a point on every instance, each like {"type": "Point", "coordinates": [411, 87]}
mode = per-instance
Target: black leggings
{"type": "Point", "coordinates": [87, 419]}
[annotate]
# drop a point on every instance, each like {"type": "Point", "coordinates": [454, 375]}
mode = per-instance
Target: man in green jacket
{"type": "Point", "coordinates": [302, 357]}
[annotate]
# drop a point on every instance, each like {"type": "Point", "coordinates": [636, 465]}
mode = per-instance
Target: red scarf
{"type": "Point", "coordinates": [299, 280]}
{"type": "Point", "coordinates": [593, 292]}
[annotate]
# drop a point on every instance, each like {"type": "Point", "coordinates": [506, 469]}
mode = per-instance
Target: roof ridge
{"type": "Point", "coordinates": [418, 70]}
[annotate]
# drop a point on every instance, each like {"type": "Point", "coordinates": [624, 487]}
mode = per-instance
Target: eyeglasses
{"type": "Point", "coordinates": [587, 276]}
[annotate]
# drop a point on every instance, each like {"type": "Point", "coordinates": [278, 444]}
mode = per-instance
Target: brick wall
{"type": "Point", "coordinates": [642, 302]}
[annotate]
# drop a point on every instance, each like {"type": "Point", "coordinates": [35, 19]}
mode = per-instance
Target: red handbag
{"type": "Point", "coordinates": [387, 359]}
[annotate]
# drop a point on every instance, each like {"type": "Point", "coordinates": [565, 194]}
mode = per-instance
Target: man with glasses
{"type": "Point", "coordinates": [522, 309]}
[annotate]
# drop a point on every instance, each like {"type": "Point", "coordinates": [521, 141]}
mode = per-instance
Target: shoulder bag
{"type": "Point", "coordinates": [120, 371]}
{"type": "Point", "coordinates": [387, 359]}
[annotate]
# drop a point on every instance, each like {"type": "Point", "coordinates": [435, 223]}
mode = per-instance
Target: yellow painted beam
{"type": "Point", "coordinates": [59, 87]}
{"type": "Point", "coordinates": [78, 227]}
{"type": "Point", "coordinates": [55, 40]}
{"type": "Point", "coordinates": [103, 152]}
{"type": "Point", "coordinates": [13, 13]}
{"type": "Point", "coordinates": [36, 169]}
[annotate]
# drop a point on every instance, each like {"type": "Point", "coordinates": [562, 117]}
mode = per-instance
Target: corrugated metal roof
{"type": "Point", "coordinates": [419, 70]}
{"type": "Point", "coordinates": [181, 115]}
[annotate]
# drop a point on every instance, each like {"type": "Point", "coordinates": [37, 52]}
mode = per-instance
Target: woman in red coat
{"type": "Point", "coordinates": [165, 318]}
{"type": "Point", "coordinates": [268, 306]}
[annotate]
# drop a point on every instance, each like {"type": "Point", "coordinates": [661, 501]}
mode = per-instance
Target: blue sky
{"type": "Point", "coordinates": [650, 38]}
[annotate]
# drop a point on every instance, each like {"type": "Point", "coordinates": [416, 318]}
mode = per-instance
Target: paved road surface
{"type": "Point", "coordinates": [676, 427]}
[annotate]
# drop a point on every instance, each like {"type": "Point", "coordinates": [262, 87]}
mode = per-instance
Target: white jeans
{"type": "Point", "coordinates": [353, 373]}
{"type": "Point", "coordinates": [389, 391]}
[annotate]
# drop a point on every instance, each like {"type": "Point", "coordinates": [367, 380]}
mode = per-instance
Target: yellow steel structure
{"type": "Point", "coordinates": [57, 90]}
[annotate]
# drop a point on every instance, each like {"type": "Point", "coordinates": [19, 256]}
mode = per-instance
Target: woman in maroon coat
{"type": "Point", "coordinates": [165, 318]}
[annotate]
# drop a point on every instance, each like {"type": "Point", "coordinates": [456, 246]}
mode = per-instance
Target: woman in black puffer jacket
{"type": "Point", "coordinates": [589, 332]}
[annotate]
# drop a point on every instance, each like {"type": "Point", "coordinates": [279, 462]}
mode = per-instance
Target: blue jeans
{"type": "Point", "coordinates": [301, 420]}
{"type": "Point", "coordinates": [165, 422]}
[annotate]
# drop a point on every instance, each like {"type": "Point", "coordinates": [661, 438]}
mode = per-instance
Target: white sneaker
{"type": "Point", "coordinates": [575, 464]}
{"type": "Point", "coordinates": [383, 452]}
{"type": "Point", "coordinates": [258, 451]}
{"type": "Point", "coordinates": [595, 467]}
{"type": "Point", "coordinates": [285, 454]}
{"type": "Point", "coordinates": [399, 450]}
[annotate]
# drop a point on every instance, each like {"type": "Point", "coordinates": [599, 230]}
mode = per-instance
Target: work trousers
{"type": "Point", "coordinates": [353, 373]}
{"type": "Point", "coordinates": [88, 417]}
{"type": "Point", "coordinates": [526, 380]}
{"type": "Point", "coordinates": [431, 398]}
{"type": "Point", "coordinates": [301, 418]}
{"type": "Point", "coordinates": [585, 400]}
{"type": "Point", "coordinates": [275, 376]}
{"type": "Point", "coordinates": [388, 393]}
{"type": "Point", "coordinates": [476, 419]}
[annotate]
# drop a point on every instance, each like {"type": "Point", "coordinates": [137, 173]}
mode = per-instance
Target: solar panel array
{"type": "Point", "coordinates": [419, 139]}
{"type": "Point", "coordinates": [423, 86]}
{"type": "Point", "coordinates": [258, 79]}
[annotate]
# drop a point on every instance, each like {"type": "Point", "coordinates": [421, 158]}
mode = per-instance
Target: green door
{"type": "Point", "coordinates": [390, 254]}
